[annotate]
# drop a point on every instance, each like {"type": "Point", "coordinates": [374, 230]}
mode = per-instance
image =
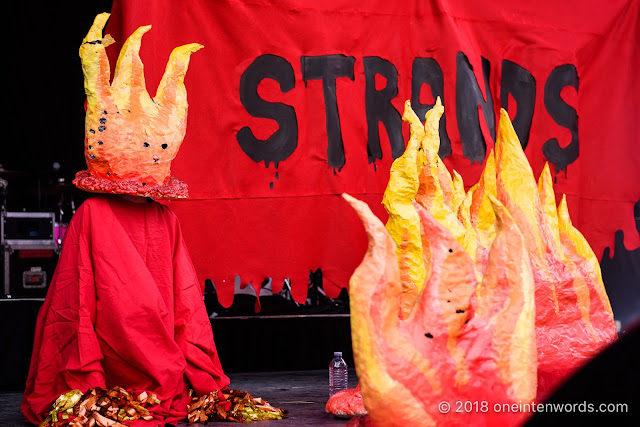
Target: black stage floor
{"type": "Point", "coordinates": [302, 393]}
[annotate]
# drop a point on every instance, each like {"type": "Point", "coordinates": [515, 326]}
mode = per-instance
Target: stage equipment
{"type": "Point", "coordinates": [30, 253]}
{"type": "Point", "coordinates": [27, 228]}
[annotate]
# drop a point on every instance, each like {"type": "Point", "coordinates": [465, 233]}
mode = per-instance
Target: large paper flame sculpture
{"type": "Point", "coordinates": [512, 299]}
{"type": "Point", "coordinates": [131, 139]}
{"type": "Point", "coordinates": [574, 319]}
{"type": "Point", "coordinates": [457, 344]}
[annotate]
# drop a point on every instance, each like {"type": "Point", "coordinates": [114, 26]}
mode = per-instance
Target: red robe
{"type": "Point", "coordinates": [124, 308]}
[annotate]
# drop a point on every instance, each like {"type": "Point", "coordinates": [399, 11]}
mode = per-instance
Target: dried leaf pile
{"type": "Point", "coordinates": [99, 407]}
{"type": "Point", "coordinates": [238, 406]}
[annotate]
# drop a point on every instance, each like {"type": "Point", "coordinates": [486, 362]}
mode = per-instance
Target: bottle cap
{"type": "Point", "coordinates": [337, 353]}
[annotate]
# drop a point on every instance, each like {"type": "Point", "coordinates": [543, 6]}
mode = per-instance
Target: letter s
{"type": "Point", "coordinates": [283, 142]}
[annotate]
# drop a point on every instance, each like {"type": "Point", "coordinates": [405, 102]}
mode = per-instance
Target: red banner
{"type": "Point", "coordinates": [292, 103]}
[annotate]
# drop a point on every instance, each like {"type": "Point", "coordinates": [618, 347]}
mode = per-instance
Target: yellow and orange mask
{"type": "Point", "coordinates": [130, 138]}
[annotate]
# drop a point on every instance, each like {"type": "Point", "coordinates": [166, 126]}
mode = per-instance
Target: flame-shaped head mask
{"type": "Point", "coordinates": [130, 138]}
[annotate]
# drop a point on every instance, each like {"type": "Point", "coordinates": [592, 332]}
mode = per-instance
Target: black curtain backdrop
{"type": "Point", "coordinates": [45, 99]}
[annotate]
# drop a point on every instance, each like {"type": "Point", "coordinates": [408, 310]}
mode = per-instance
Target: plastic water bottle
{"type": "Point", "coordinates": [338, 374]}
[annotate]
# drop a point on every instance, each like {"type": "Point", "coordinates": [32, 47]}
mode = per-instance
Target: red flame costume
{"type": "Point", "coordinates": [124, 307]}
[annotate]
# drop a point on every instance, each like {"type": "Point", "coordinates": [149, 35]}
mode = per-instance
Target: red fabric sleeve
{"type": "Point", "coordinates": [192, 327]}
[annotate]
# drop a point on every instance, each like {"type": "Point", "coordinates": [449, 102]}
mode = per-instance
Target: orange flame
{"type": "Point", "coordinates": [456, 344]}
{"type": "Point", "coordinates": [568, 331]}
{"type": "Point", "coordinates": [513, 299]}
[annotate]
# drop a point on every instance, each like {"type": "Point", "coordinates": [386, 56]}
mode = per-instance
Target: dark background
{"type": "Point", "coordinates": [44, 94]}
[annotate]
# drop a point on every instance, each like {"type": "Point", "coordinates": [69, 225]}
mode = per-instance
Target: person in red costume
{"type": "Point", "coordinates": [125, 307]}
